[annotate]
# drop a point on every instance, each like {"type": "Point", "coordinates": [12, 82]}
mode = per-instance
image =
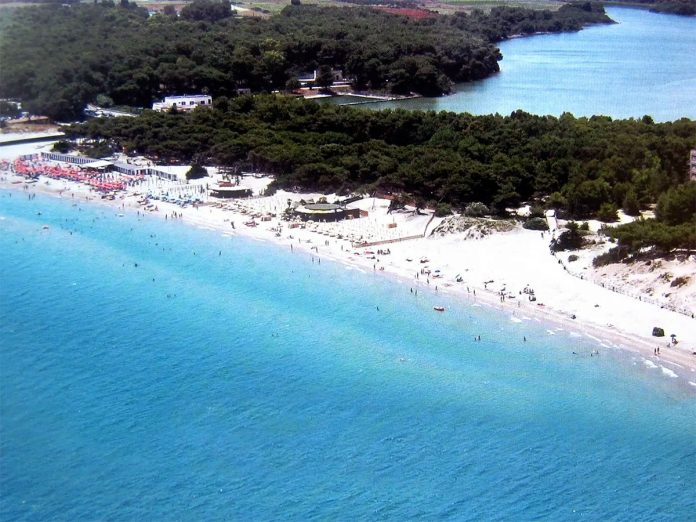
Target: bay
{"type": "Point", "coordinates": [157, 371]}
{"type": "Point", "coordinates": [643, 65]}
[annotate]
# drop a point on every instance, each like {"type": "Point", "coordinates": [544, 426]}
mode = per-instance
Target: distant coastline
{"type": "Point", "coordinates": [674, 7]}
{"type": "Point", "coordinates": [576, 66]}
{"type": "Point", "coordinates": [542, 33]}
{"type": "Point", "coordinates": [378, 51]}
{"type": "Point", "coordinates": [361, 97]}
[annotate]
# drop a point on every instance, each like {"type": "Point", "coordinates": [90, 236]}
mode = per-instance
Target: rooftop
{"type": "Point", "coordinates": [187, 96]}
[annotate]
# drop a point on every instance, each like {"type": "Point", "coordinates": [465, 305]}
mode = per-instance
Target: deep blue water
{"type": "Point", "coordinates": [244, 382]}
{"type": "Point", "coordinates": [642, 65]}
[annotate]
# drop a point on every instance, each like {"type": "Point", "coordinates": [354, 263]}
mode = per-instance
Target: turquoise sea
{"type": "Point", "coordinates": [644, 64]}
{"type": "Point", "coordinates": [154, 371]}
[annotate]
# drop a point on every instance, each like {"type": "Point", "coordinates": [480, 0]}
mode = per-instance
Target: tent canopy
{"type": "Point", "coordinates": [99, 164]}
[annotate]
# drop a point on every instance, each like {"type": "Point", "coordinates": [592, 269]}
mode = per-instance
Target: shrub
{"type": "Point", "coordinates": [680, 281]}
{"type": "Point", "coordinates": [556, 200]}
{"type": "Point", "coordinates": [645, 233]}
{"type": "Point", "coordinates": [607, 213]}
{"type": "Point", "coordinates": [585, 226]}
{"type": "Point", "coordinates": [570, 239]}
{"type": "Point", "coordinates": [536, 223]}
{"type": "Point", "coordinates": [630, 203]}
{"type": "Point", "coordinates": [62, 146]}
{"type": "Point", "coordinates": [476, 209]}
{"type": "Point", "coordinates": [677, 205]}
{"type": "Point", "coordinates": [443, 209]}
{"type": "Point", "coordinates": [572, 257]}
{"type": "Point", "coordinates": [104, 101]}
{"type": "Point", "coordinates": [536, 212]}
{"type": "Point", "coordinates": [292, 84]}
{"type": "Point", "coordinates": [196, 172]}
{"type": "Point", "coordinates": [614, 255]}
{"type": "Point", "coordinates": [270, 190]}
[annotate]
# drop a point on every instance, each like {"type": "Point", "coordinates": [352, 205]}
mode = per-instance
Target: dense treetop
{"type": "Point", "coordinates": [58, 58]}
{"type": "Point", "coordinates": [582, 167]}
{"type": "Point", "coordinates": [680, 7]}
{"type": "Point", "coordinates": [579, 164]}
{"type": "Point", "coordinates": [674, 227]}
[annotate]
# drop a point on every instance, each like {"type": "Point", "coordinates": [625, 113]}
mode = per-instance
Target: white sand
{"type": "Point", "coordinates": [512, 260]}
{"type": "Point", "coordinates": [8, 152]}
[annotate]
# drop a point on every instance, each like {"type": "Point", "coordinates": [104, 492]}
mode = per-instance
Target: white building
{"type": "Point", "coordinates": [336, 74]}
{"type": "Point", "coordinates": [183, 103]}
{"type": "Point", "coordinates": [692, 165]}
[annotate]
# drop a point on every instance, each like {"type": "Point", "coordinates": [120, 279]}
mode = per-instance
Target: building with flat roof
{"type": "Point", "coordinates": [310, 81]}
{"type": "Point", "coordinates": [183, 103]}
{"type": "Point", "coordinates": [229, 191]}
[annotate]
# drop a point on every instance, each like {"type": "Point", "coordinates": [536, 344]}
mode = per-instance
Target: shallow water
{"type": "Point", "coordinates": [642, 65]}
{"type": "Point", "coordinates": [223, 378]}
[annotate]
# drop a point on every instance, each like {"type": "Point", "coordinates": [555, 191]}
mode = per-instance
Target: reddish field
{"type": "Point", "coordinates": [416, 14]}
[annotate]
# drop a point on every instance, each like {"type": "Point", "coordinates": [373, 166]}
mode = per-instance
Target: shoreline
{"type": "Point", "coordinates": [674, 361]}
{"type": "Point", "coordinates": [362, 98]}
{"type": "Point", "coordinates": [651, 8]}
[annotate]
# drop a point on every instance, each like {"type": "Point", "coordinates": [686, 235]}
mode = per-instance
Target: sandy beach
{"type": "Point", "coordinates": [513, 271]}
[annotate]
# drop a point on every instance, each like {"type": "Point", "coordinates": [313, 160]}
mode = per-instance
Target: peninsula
{"type": "Point", "coordinates": [120, 55]}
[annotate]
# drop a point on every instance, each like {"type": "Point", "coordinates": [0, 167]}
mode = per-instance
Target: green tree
{"type": "Point", "coordinates": [104, 101]}
{"type": "Point", "coordinates": [132, 58]}
{"type": "Point", "coordinates": [292, 84]}
{"type": "Point", "coordinates": [62, 146]}
{"type": "Point", "coordinates": [196, 172]}
{"type": "Point", "coordinates": [586, 198]}
{"type": "Point", "coordinates": [536, 223]}
{"type": "Point", "coordinates": [325, 77]}
{"type": "Point", "coordinates": [556, 200]}
{"type": "Point", "coordinates": [493, 159]}
{"type": "Point", "coordinates": [630, 203]}
{"type": "Point", "coordinates": [207, 10]}
{"type": "Point", "coordinates": [607, 213]}
{"type": "Point", "coordinates": [569, 239]}
{"type": "Point", "coordinates": [476, 209]}
{"type": "Point", "coordinates": [443, 209]}
{"type": "Point", "coordinates": [677, 205]}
